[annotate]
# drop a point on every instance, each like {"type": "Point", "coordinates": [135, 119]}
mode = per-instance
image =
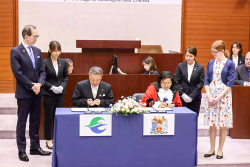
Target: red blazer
{"type": "Point", "coordinates": [151, 93]}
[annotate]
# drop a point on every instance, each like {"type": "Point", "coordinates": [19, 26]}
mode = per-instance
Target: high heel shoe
{"type": "Point", "coordinates": [209, 155]}
{"type": "Point", "coordinates": [219, 156]}
{"type": "Point", "coordinates": [50, 145]}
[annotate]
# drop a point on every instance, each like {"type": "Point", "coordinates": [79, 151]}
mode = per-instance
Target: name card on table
{"type": "Point", "coordinates": [97, 109]}
{"type": "Point", "coordinates": [96, 125]}
{"type": "Point", "coordinates": [158, 124]}
{"type": "Point", "coordinates": [79, 109]}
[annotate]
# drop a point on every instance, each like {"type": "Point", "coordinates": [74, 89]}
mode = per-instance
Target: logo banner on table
{"type": "Point", "coordinates": [95, 125]}
{"type": "Point", "coordinates": [176, 2]}
{"type": "Point", "coordinates": [158, 124]}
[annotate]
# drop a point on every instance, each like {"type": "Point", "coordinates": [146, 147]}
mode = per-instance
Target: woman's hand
{"type": "Point", "coordinates": [210, 101]}
{"type": "Point", "coordinates": [120, 71]}
{"type": "Point", "coordinates": [170, 105]}
{"type": "Point", "coordinates": [163, 105]}
{"type": "Point", "coordinates": [216, 99]}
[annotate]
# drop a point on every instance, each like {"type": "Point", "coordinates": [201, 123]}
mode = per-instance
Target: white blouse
{"type": "Point", "coordinates": [166, 94]}
{"type": "Point", "coordinates": [235, 61]}
{"type": "Point", "coordinates": [56, 69]}
{"type": "Point", "coordinates": [190, 70]}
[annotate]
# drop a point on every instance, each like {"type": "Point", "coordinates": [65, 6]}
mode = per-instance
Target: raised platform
{"type": "Point", "coordinates": [236, 154]}
{"type": "Point", "coordinates": [236, 151]}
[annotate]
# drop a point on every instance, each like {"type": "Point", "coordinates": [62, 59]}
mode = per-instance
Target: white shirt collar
{"type": "Point", "coordinates": [25, 45]}
{"type": "Point", "coordinates": [94, 87]}
{"type": "Point", "coordinates": [191, 65]}
{"type": "Point", "coordinates": [235, 58]}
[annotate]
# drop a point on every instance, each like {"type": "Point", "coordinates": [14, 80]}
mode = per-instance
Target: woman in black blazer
{"type": "Point", "coordinates": [54, 88]}
{"type": "Point", "coordinates": [236, 54]}
{"type": "Point", "coordinates": [189, 78]}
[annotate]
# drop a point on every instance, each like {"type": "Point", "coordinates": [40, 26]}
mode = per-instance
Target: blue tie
{"type": "Point", "coordinates": [32, 57]}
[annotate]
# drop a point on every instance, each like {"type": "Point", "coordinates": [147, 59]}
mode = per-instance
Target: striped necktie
{"type": "Point", "coordinates": [32, 57]}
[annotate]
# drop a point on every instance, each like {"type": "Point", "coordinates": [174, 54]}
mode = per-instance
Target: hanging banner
{"type": "Point", "coordinates": [179, 2]}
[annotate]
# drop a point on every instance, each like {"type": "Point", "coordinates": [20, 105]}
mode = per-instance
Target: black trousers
{"type": "Point", "coordinates": [194, 105]}
{"type": "Point", "coordinates": [30, 106]}
{"type": "Point", "coordinates": [49, 104]}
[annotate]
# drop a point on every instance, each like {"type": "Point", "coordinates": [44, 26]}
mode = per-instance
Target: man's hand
{"type": "Point", "coordinates": [90, 102]}
{"type": "Point", "coordinates": [36, 87]}
{"type": "Point", "coordinates": [97, 102]}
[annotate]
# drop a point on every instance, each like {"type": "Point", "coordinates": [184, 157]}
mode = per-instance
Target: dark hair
{"type": "Point", "coordinates": [27, 30]}
{"type": "Point", "coordinates": [53, 46]}
{"type": "Point", "coordinates": [68, 60]}
{"type": "Point", "coordinates": [238, 45]}
{"type": "Point", "coordinates": [192, 50]}
{"type": "Point", "coordinates": [149, 60]}
{"type": "Point", "coordinates": [165, 75]}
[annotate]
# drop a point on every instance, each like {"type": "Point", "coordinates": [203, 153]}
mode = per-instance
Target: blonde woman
{"type": "Point", "coordinates": [219, 80]}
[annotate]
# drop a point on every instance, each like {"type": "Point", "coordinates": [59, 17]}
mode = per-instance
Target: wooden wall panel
{"type": "Point", "coordinates": [6, 6]}
{"type": "Point", "coordinates": [222, 8]}
{"type": "Point", "coordinates": [207, 21]}
{"type": "Point", "coordinates": [5, 68]}
{"type": "Point", "coordinates": [241, 114]}
{"type": "Point", "coordinates": [202, 31]}
{"type": "Point", "coordinates": [129, 63]}
{"type": "Point", "coordinates": [6, 29]}
{"type": "Point", "coordinates": [6, 86]}
{"type": "Point", "coordinates": [8, 39]}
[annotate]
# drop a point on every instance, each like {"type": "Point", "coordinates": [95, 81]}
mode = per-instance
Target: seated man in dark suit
{"type": "Point", "coordinates": [243, 73]}
{"type": "Point", "coordinates": [93, 92]}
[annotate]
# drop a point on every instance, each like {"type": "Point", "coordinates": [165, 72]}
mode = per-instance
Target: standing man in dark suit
{"type": "Point", "coordinates": [93, 92]}
{"type": "Point", "coordinates": [28, 68]}
{"type": "Point", "coordinates": [243, 73]}
{"type": "Point", "coordinates": [189, 78]}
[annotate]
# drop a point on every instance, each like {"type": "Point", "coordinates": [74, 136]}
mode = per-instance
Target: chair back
{"type": "Point", "coordinates": [138, 96]}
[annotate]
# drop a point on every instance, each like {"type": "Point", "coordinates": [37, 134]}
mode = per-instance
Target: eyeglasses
{"type": "Point", "coordinates": [214, 52]}
{"type": "Point", "coordinates": [168, 84]}
{"type": "Point", "coordinates": [36, 36]}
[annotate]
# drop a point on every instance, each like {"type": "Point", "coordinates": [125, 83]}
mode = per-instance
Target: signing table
{"type": "Point", "coordinates": [127, 147]}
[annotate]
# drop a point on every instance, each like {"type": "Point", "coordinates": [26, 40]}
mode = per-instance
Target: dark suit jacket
{"type": "Point", "coordinates": [192, 88]}
{"type": "Point", "coordinates": [241, 59]}
{"type": "Point", "coordinates": [155, 72]}
{"type": "Point", "coordinates": [83, 92]}
{"type": "Point", "coordinates": [241, 75]}
{"type": "Point", "coordinates": [24, 72]}
{"type": "Point", "coordinates": [52, 79]}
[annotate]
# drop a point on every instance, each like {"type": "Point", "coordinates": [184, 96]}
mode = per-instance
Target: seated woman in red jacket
{"type": "Point", "coordinates": [163, 91]}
